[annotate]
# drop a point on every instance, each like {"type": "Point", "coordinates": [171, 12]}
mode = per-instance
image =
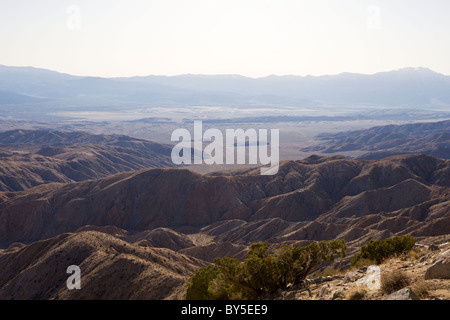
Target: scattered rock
{"type": "Point", "coordinates": [403, 294]}
{"type": "Point", "coordinates": [338, 294]}
{"type": "Point", "coordinates": [281, 292]}
{"type": "Point", "coordinates": [440, 269]}
{"type": "Point", "coordinates": [324, 291]}
{"type": "Point", "coordinates": [372, 279]}
{"type": "Point", "coordinates": [351, 277]}
{"type": "Point", "coordinates": [433, 247]}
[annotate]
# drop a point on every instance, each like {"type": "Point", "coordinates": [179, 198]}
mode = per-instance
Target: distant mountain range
{"type": "Point", "coordinates": [411, 87]}
{"type": "Point", "coordinates": [431, 138]}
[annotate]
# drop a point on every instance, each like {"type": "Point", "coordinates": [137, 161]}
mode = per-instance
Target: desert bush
{"type": "Point", "coordinates": [422, 289]}
{"type": "Point", "coordinates": [413, 254]}
{"type": "Point", "coordinates": [357, 294]}
{"type": "Point", "coordinates": [262, 271]}
{"type": "Point", "coordinates": [394, 281]}
{"type": "Point", "coordinates": [378, 250]}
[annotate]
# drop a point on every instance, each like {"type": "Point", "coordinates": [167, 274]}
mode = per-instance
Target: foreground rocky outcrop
{"type": "Point", "coordinates": [403, 294]}
{"type": "Point", "coordinates": [366, 283]}
{"type": "Point", "coordinates": [440, 268]}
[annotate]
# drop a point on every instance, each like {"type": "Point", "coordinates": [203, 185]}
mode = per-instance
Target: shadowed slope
{"type": "Point", "coordinates": [110, 269]}
{"type": "Point", "coordinates": [33, 157]}
{"type": "Point", "coordinates": [332, 190]}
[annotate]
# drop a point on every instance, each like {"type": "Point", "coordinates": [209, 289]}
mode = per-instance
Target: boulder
{"type": "Point", "coordinates": [337, 295]}
{"type": "Point", "coordinates": [433, 247]}
{"type": "Point", "coordinates": [351, 276]}
{"type": "Point", "coordinates": [403, 294]}
{"type": "Point", "coordinates": [371, 279]}
{"type": "Point", "coordinates": [440, 269]}
{"type": "Point", "coordinates": [324, 291]}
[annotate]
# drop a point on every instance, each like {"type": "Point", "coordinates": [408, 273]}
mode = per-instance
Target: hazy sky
{"type": "Point", "coordinates": [249, 37]}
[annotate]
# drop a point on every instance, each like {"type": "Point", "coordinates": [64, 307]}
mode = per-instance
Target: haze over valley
{"type": "Point", "coordinates": [153, 107]}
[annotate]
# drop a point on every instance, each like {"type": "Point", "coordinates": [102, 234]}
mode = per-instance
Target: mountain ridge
{"type": "Point", "coordinates": [302, 192]}
{"type": "Point", "coordinates": [33, 157]}
{"type": "Point", "coordinates": [430, 138]}
{"type": "Point", "coordinates": [409, 86]}
{"type": "Point", "coordinates": [111, 269]}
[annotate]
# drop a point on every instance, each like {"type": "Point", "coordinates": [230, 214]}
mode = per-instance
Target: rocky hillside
{"type": "Point", "coordinates": [110, 269]}
{"type": "Point", "coordinates": [380, 142]}
{"type": "Point", "coordinates": [32, 157]}
{"type": "Point", "coordinates": [423, 274]}
{"type": "Point", "coordinates": [114, 268]}
{"type": "Point", "coordinates": [313, 199]}
{"type": "Point", "coordinates": [152, 228]}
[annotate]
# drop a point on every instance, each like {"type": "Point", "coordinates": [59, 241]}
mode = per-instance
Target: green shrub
{"type": "Point", "coordinates": [378, 250]}
{"type": "Point", "coordinates": [262, 271]}
{"type": "Point", "coordinates": [202, 279]}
